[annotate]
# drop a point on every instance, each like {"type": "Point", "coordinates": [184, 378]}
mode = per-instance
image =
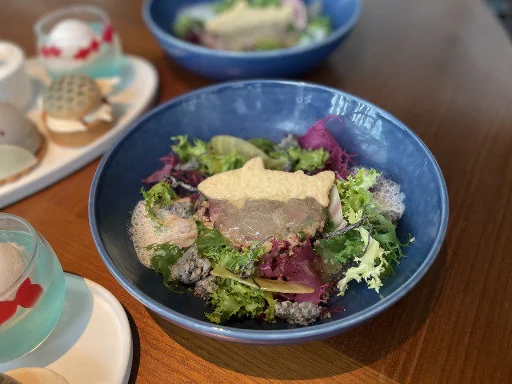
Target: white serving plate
{"type": "Point", "coordinates": [130, 98]}
{"type": "Point", "coordinates": [92, 342]}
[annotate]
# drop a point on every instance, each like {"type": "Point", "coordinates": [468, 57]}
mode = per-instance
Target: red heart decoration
{"type": "Point", "coordinates": [108, 34]}
{"type": "Point", "coordinates": [28, 293]}
{"type": "Point", "coordinates": [7, 310]}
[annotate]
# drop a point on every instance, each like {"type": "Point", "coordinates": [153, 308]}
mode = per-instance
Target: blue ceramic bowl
{"type": "Point", "coordinates": [222, 65]}
{"type": "Point", "coordinates": [268, 109]}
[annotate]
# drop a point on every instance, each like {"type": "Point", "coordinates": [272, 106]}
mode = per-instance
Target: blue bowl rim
{"type": "Point", "coordinates": [286, 336]}
{"type": "Point", "coordinates": [168, 37]}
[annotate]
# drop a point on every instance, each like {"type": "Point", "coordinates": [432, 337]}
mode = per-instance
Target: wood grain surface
{"type": "Point", "coordinates": [444, 67]}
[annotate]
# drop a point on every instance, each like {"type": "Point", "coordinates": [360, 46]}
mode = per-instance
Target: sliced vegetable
{"type": "Point", "coordinates": [263, 284]}
{"type": "Point", "coordinates": [224, 144]}
{"type": "Point", "coordinates": [297, 266]}
{"type": "Point", "coordinates": [282, 286]}
{"type": "Point", "coordinates": [335, 211]}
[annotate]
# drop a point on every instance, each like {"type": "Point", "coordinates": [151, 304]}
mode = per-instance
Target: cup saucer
{"type": "Point", "coordinates": [92, 342]}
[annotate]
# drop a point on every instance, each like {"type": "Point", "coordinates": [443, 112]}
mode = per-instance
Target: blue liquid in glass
{"type": "Point", "coordinates": [29, 327]}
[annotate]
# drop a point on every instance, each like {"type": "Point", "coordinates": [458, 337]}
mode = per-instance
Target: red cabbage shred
{"type": "Point", "coordinates": [298, 267]}
{"type": "Point", "coordinates": [319, 137]}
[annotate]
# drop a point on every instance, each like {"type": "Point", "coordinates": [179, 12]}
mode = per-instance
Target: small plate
{"type": "Point", "coordinates": [130, 98]}
{"type": "Point", "coordinates": [92, 342]}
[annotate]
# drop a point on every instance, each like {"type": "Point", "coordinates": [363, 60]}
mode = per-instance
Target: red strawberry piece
{"type": "Point", "coordinates": [28, 294]}
{"type": "Point", "coordinates": [7, 310]}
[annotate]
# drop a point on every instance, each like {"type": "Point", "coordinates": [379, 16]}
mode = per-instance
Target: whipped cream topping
{"type": "Point", "coordinates": [104, 112]}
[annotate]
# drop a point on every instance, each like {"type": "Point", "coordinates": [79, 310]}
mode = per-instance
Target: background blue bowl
{"type": "Point", "coordinates": [268, 109]}
{"type": "Point", "coordinates": [222, 65]}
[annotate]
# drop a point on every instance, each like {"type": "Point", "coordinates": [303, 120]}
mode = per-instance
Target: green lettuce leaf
{"type": "Point", "coordinates": [307, 159]}
{"type": "Point", "coordinates": [384, 232]}
{"type": "Point", "coordinates": [371, 266]}
{"type": "Point", "coordinates": [234, 260]}
{"type": "Point", "coordinates": [355, 194]}
{"type": "Point", "coordinates": [265, 145]}
{"type": "Point", "coordinates": [341, 249]}
{"type": "Point", "coordinates": [209, 240]}
{"type": "Point", "coordinates": [265, 3]}
{"type": "Point", "coordinates": [184, 24]}
{"type": "Point", "coordinates": [268, 45]}
{"type": "Point", "coordinates": [321, 23]}
{"type": "Point", "coordinates": [163, 258]}
{"type": "Point", "coordinates": [300, 158]}
{"type": "Point", "coordinates": [160, 195]}
{"type": "Point", "coordinates": [233, 299]}
{"type": "Point", "coordinates": [187, 151]}
{"type": "Point", "coordinates": [218, 249]}
{"type": "Point", "coordinates": [211, 164]}
{"type": "Point", "coordinates": [224, 145]}
{"type": "Point", "coordinates": [223, 5]}
{"type": "Point", "coordinates": [318, 28]}
{"type": "Point", "coordinates": [358, 201]}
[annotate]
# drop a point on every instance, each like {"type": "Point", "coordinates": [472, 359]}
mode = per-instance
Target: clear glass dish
{"type": "Point", "coordinates": [32, 288]}
{"type": "Point", "coordinates": [78, 39]}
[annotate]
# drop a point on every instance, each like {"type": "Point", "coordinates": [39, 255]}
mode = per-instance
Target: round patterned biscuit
{"type": "Point", "coordinates": [72, 97]}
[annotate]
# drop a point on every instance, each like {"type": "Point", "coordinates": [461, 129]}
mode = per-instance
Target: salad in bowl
{"type": "Point", "coordinates": [268, 230]}
{"type": "Point", "coordinates": [252, 25]}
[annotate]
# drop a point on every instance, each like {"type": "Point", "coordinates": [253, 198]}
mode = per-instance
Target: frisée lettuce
{"type": "Point", "coordinates": [370, 266]}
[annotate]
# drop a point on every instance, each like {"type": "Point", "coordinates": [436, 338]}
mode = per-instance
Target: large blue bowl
{"type": "Point", "coordinates": [222, 65]}
{"type": "Point", "coordinates": [268, 109]}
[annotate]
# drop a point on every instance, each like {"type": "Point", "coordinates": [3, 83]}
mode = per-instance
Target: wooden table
{"type": "Point", "coordinates": [444, 67]}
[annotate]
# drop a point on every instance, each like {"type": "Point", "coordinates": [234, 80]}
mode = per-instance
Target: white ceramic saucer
{"type": "Point", "coordinates": [92, 342]}
{"type": "Point", "coordinates": [130, 98]}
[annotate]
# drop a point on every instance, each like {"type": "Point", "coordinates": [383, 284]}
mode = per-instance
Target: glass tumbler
{"type": "Point", "coordinates": [78, 39]}
{"type": "Point", "coordinates": [32, 288]}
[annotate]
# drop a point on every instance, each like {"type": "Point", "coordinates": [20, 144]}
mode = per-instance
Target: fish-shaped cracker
{"type": "Point", "coordinates": [254, 182]}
